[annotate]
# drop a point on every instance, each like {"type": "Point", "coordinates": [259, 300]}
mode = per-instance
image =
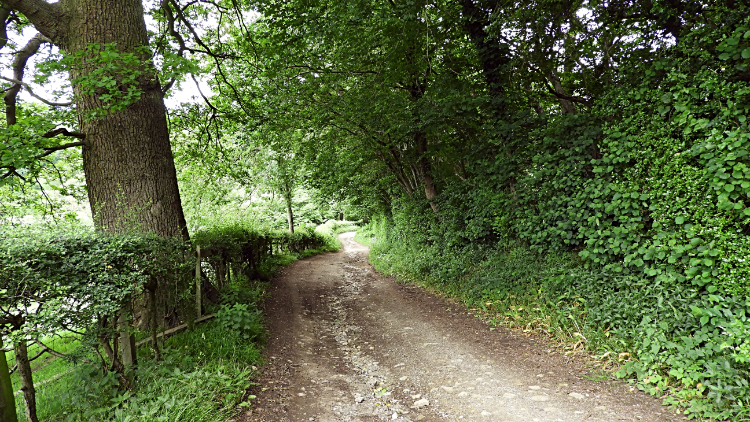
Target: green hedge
{"type": "Point", "coordinates": [60, 281]}
{"type": "Point", "coordinates": [81, 282]}
{"type": "Point", "coordinates": [236, 248]}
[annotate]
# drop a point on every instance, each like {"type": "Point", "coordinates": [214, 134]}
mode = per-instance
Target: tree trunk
{"type": "Point", "coordinates": [425, 168]}
{"type": "Point", "coordinates": [289, 196]}
{"type": "Point", "coordinates": [7, 401]}
{"type": "Point", "coordinates": [127, 339]}
{"type": "Point", "coordinates": [27, 382]}
{"type": "Point", "coordinates": [127, 159]}
{"type": "Point", "coordinates": [492, 52]}
{"type": "Point", "coordinates": [290, 217]}
{"type": "Point", "coordinates": [566, 106]}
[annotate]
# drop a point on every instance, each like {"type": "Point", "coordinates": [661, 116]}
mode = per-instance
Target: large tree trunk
{"type": "Point", "coordinates": [128, 162]}
{"type": "Point", "coordinates": [127, 159]}
{"type": "Point", "coordinates": [7, 401]}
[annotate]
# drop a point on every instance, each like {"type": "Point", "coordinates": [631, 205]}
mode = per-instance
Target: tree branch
{"type": "Point", "coordinates": [13, 369]}
{"type": "Point", "coordinates": [47, 151]}
{"type": "Point", "coordinates": [4, 14]}
{"type": "Point", "coordinates": [28, 89]}
{"type": "Point", "coordinates": [19, 67]}
{"type": "Point", "coordinates": [45, 348]}
{"type": "Point", "coordinates": [12, 172]}
{"type": "Point", "coordinates": [196, 37]}
{"type": "Point", "coordinates": [554, 92]}
{"type": "Point", "coordinates": [46, 17]}
{"type": "Point", "coordinates": [50, 150]}
{"type": "Point", "coordinates": [570, 98]}
{"type": "Point", "coordinates": [63, 131]}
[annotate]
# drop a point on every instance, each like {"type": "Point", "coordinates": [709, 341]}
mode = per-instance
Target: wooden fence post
{"type": "Point", "coordinates": [198, 303]}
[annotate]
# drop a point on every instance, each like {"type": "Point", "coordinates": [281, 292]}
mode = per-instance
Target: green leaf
{"type": "Point", "coordinates": [679, 220]}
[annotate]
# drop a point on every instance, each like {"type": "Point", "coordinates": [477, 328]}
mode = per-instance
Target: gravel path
{"type": "Point", "coordinates": [348, 344]}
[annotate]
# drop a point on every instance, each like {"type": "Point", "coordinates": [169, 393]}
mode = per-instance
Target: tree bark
{"type": "Point", "coordinates": [430, 190]}
{"type": "Point", "coordinates": [27, 382]}
{"type": "Point", "coordinates": [288, 198]}
{"type": "Point", "coordinates": [127, 159]}
{"type": "Point", "coordinates": [290, 216]}
{"type": "Point", "coordinates": [7, 401]}
{"type": "Point", "coordinates": [566, 106]}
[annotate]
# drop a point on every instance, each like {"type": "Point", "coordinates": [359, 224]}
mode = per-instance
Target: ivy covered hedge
{"type": "Point", "coordinates": [639, 206]}
{"type": "Point", "coordinates": [678, 342]}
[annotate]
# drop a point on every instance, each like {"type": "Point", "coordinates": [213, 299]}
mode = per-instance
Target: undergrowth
{"type": "Point", "coordinates": [687, 346]}
{"type": "Point", "coordinates": [203, 375]}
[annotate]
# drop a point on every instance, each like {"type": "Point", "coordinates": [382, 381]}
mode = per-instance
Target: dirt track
{"type": "Point", "coordinates": [348, 344]}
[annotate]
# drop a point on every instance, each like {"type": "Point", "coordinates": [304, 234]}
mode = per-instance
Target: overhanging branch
{"type": "Point", "coordinates": [50, 150]}
{"type": "Point", "coordinates": [553, 91]}
{"type": "Point", "coordinates": [62, 131]}
{"type": "Point", "coordinates": [47, 18]}
{"type": "Point", "coordinates": [28, 89]}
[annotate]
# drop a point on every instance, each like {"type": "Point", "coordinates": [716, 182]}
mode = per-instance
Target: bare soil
{"type": "Point", "coordinates": [348, 344]}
